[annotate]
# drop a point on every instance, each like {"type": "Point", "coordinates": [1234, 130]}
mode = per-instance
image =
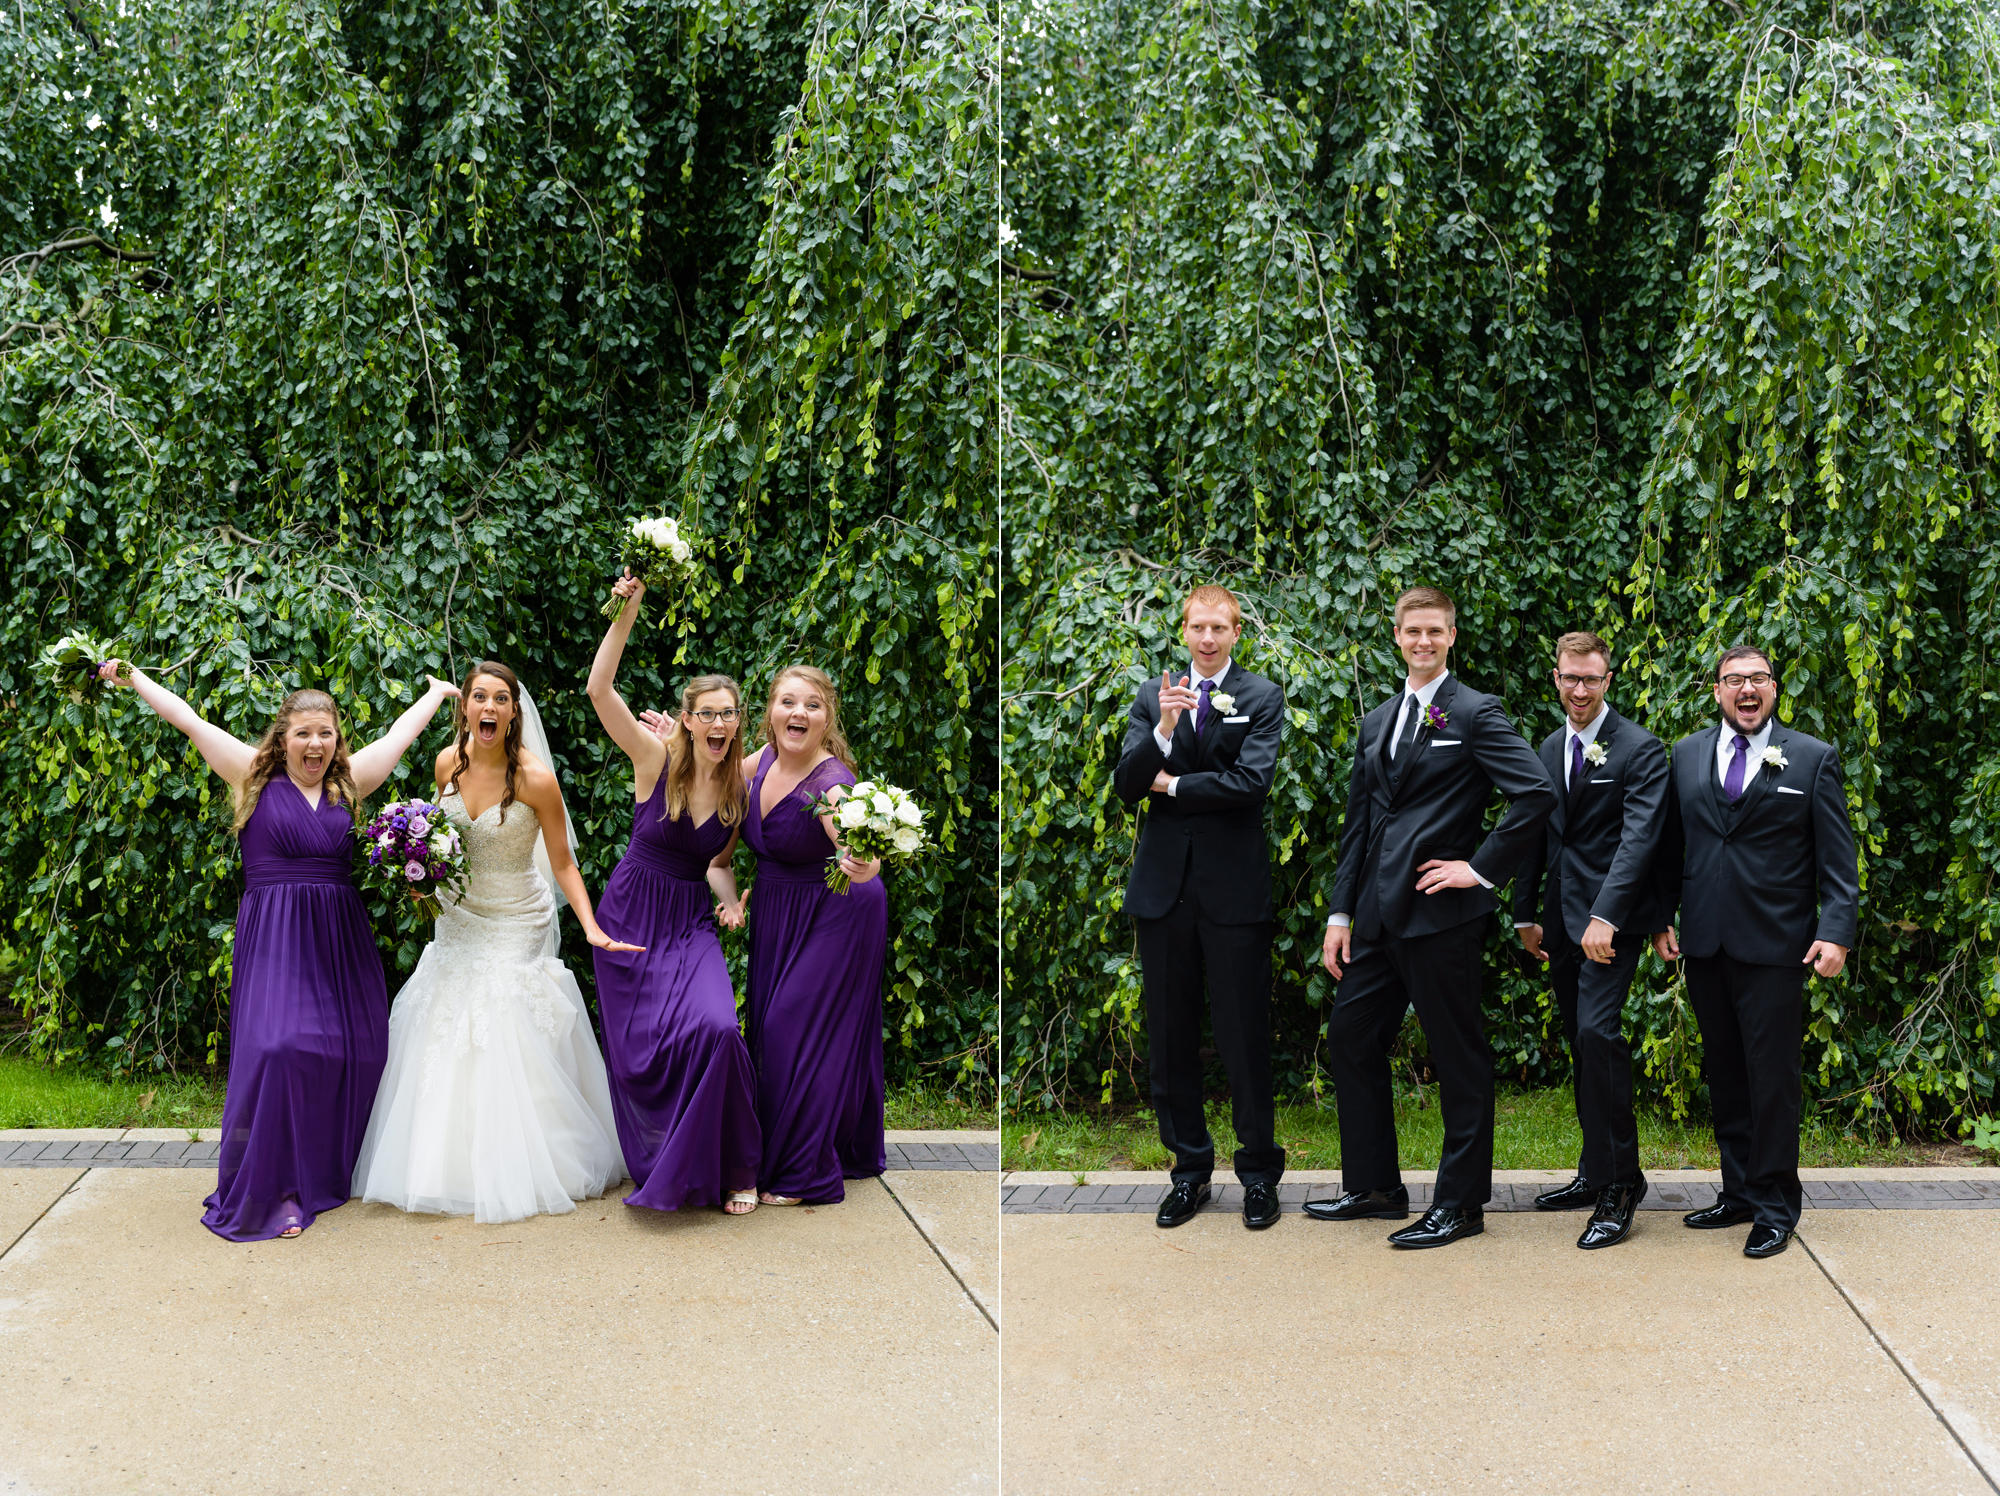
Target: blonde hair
{"type": "Point", "coordinates": [338, 783]}
{"type": "Point", "coordinates": [682, 764]}
{"type": "Point", "coordinates": [820, 681]}
{"type": "Point", "coordinates": [1211, 596]}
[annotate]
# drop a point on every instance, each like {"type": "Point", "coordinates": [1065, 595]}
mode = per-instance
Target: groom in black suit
{"type": "Point", "coordinates": [1411, 903]}
{"type": "Point", "coordinates": [1585, 902]}
{"type": "Point", "coordinates": [1759, 858]}
{"type": "Point", "coordinates": [1202, 757]}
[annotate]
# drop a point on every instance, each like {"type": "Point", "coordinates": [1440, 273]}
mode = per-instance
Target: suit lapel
{"type": "Point", "coordinates": [1766, 776]}
{"type": "Point", "coordinates": [1377, 752]}
{"type": "Point", "coordinates": [1206, 741]}
{"type": "Point", "coordinates": [1552, 765]}
{"type": "Point", "coordinates": [1441, 702]}
{"type": "Point", "coordinates": [1606, 731]}
{"type": "Point", "coordinates": [1718, 808]}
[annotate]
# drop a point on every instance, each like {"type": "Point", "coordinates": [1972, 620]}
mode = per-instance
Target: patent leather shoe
{"type": "Point", "coordinates": [1717, 1216]}
{"type": "Point", "coordinates": [1441, 1226]}
{"type": "Point", "coordinates": [1183, 1202]}
{"type": "Point", "coordinates": [1766, 1241]}
{"type": "Point", "coordinates": [1576, 1195]}
{"type": "Point", "coordinates": [1260, 1205]}
{"type": "Point", "coordinates": [1611, 1221]}
{"type": "Point", "coordinates": [1362, 1205]}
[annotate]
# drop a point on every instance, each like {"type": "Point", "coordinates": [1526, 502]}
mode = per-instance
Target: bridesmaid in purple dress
{"type": "Point", "coordinates": [815, 958]}
{"type": "Point", "coordinates": [681, 1085]}
{"type": "Point", "coordinates": [308, 1007]}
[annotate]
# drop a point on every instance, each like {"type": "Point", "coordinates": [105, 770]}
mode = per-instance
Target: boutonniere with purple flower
{"type": "Point", "coordinates": [1435, 720]}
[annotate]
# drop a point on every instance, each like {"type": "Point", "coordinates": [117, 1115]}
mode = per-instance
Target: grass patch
{"type": "Point", "coordinates": [35, 1095]}
{"type": "Point", "coordinates": [917, 1107]}
{"type": "Point", "coordinates": [1531, 1130]}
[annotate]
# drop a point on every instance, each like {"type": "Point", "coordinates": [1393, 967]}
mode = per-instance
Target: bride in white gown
{"type": "Point", "coordinates": [494, 1103]}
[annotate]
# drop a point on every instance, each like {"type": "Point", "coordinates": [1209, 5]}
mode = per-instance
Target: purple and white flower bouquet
{"type": "Point", "coordinates": [413, 848]}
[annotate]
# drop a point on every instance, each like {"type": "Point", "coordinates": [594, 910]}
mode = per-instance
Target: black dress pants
{"type": "Point", "coordinates": [1750, 1019]}
{"type": "Point", "coordinates": [1592, 1000]}
{"type": "Point", "coordinates": [1188, 962]}
{"type": "Point", "coordinates": [1440, 975]}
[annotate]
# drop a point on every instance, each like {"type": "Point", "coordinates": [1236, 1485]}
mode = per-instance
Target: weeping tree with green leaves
{"type": "Point", "coordinates": [1666, 321]}
{"type": "Point", "coordinates": [338, 344]}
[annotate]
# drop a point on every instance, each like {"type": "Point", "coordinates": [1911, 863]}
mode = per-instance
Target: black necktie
{"type": "Point", "coordinates": [1406, 738]}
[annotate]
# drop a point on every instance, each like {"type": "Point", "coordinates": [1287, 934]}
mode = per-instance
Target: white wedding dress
{"type": "Point", "coordinates": [494, 1103]}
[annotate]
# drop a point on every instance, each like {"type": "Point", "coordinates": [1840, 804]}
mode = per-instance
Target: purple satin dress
{"type": "Point", "coordinates": [682, 1090]}
{"type": "Point", "coordinates": [308, 1021]}
{"type": "Point", "coordinates": [815, 1000]}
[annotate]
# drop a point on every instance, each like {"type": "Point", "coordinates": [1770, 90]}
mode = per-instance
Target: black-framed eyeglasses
{"type": "Point", "coordinates": [1738, 682]}
{"type": "Point", "coordinates": [707, 715]}
{"type": "Point", "coordinates": [1587, 682]}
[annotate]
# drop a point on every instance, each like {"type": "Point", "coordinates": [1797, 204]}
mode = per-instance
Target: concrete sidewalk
{"type": "Point", "coordinates": [810, 1349]}
{"type": "Point", "coordinates": [1313, 1357]}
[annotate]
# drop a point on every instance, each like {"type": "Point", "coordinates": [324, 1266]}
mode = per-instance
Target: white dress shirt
{"type": "Point", "coordinates": [1586, 735]}
{"type": "Point", "coordinates": [1195, 678]}
{"type": "Point", "coordinates": [1725, 750]}
{"type": "Point", "coordinates": [1424, 694]}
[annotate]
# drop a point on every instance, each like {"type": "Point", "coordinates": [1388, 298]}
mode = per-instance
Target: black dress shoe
{"type": "Point", "coordinates": [1260, 1205]}
{"type": "Point", "coordinates": [1576, 1195]}
{"type": "Point", "coordinates": [1717, 1216]}
{"type": "Point", "coordinates": [1363, 1205]}
{"type": "Point", "coordinates": [1182, 1202]}
{"type": "Point", "coordinates": [1611, 1222]}
{"type": "Point", "coordinates": [1766, 1241]}
{"type": "Point", "coordinates": [1441, 1226]}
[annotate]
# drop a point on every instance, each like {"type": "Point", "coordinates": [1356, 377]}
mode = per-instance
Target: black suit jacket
{"type": "Point", "coordinates": [1594, 858]}
{"type": "Point", "coordinates": [1435, 809]}
{"type": "Point", "coordinates": [1212, 827]}
{"type": "Point", "coordinates": [1764, 881]}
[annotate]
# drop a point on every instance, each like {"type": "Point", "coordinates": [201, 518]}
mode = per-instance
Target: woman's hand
{"type": "Point", "coordinates": [444, 690]}
{"type": "Point", "coordinates": [118, 672]}
{"type": "Point", "coordinates": [604, 942]}
{"type": "Point", "coordinates": [857, 870]}
{"type": "Point", "coordinates": [729, 916]}
{"type": "Point", "coordinates": [659, 726]}
{"type": "Point", "coordinates": [628, 586]}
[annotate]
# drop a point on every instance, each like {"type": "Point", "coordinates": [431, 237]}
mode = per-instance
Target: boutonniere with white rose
{"type": "Point", "coordinates": [1594, 754]}
{"type": "Point", "coordinates": [1223, 702]}
{"type": "Point", "coordinates": [1773, 758]}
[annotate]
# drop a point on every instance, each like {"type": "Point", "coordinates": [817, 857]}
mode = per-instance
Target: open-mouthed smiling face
{"type": "Point", "coordinates": [309, 743]}
{"type": "Point", "coordinates": [1750, 700]}
{"type": "Point", "coordinates": [711, 739]}
{"type": "Point", "coordinates": [798, 716]}
{"type": "Point", "coordinates": [489, 708]}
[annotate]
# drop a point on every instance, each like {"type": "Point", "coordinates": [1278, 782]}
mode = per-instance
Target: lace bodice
{"type": "Point", "coordinates": [505, 898]}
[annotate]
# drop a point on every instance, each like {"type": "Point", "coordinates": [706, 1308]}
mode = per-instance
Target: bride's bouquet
{"type": "Point", "coordinates": [414, 849]}
{"type": "Point", "coordinates": [874, 820]}
{"type": "Point", "coordinates": [71, 665]}
{"type": "Point", "coordinates": [657, 554]}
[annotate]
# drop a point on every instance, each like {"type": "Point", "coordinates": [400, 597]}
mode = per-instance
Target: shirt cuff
{"type": "Point", "coordinates": [1161, 738]}
{"type": "Point", "coordinates": [1526, 924]}
{"type": "Point", "coordinates": [1174, 788]}
{"type": "Point", "coordinates": [1341, 921]}
{"type": "Point", "coordinates": [1483, 882]}
{"type": "Point", "coordinates": [1600, 919]}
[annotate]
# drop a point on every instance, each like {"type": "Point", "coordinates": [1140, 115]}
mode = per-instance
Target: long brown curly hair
{"type": "Point", "coordinates": [682, 763]}
{"type": "Point", "coordinates": [835, 740]}
{"type": "Point", "coordinates": [270, 760]}
{"type": "Point", "coordinates": [462, 722]}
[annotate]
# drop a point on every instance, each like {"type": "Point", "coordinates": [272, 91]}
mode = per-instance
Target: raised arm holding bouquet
{"type": "Point", "coordinates": [308, 1006]}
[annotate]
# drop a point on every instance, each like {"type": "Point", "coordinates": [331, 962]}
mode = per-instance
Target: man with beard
{"type": "Point", "coordinates": [1759, 857]}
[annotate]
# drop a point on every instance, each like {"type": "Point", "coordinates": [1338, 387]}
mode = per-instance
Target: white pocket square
{"type": "Point", "coordinates": [1786, 789]}
{"type": "Point", "coordinates": [1602, 781]}
{"type": "Point", "coordinates": [1236, 719]}
{"type": "Point", "coordinates": [1446, 742]}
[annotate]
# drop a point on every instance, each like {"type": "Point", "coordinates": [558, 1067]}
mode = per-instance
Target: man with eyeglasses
{"type": "Point", "coordinates": [1759, 858]}
{"type": "Point", "coordinates": [1584, 903]}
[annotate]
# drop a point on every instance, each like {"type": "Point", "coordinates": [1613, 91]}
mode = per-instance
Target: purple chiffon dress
{"type": "Point", "coordinates": [308, 1021]}
{"type": "Point", "coordinates": [815, 999]}
{"type": "Point", "coordinates": [681, 1085]}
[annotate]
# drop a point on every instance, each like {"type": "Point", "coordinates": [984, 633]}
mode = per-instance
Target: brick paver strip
{"type": "Point", "coordinates": [157, 1154]}
{"type": "Point", "coordinates": [1831, 1194]}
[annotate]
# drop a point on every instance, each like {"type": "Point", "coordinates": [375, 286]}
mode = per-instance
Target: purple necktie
{"type": "Point", "coordinates": [1575, 762]}
{"type": "Point", "coordinates": [1732, 782]}
{"type": "Point", "coordinates": [1201, 712]}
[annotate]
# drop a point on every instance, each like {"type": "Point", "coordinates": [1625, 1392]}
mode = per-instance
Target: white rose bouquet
{"type": "Point", "coordinates": [657, 554]}
{"type": "Point", "coordinates": [874, 820]}
{"type": "Point", "coordinates": [71, 665]}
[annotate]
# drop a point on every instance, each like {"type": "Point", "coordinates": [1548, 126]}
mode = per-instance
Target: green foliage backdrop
{"type": "Point", "coordinates": [337, 343]}
{"type": "Point", "coordinates": [1674, 321]}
